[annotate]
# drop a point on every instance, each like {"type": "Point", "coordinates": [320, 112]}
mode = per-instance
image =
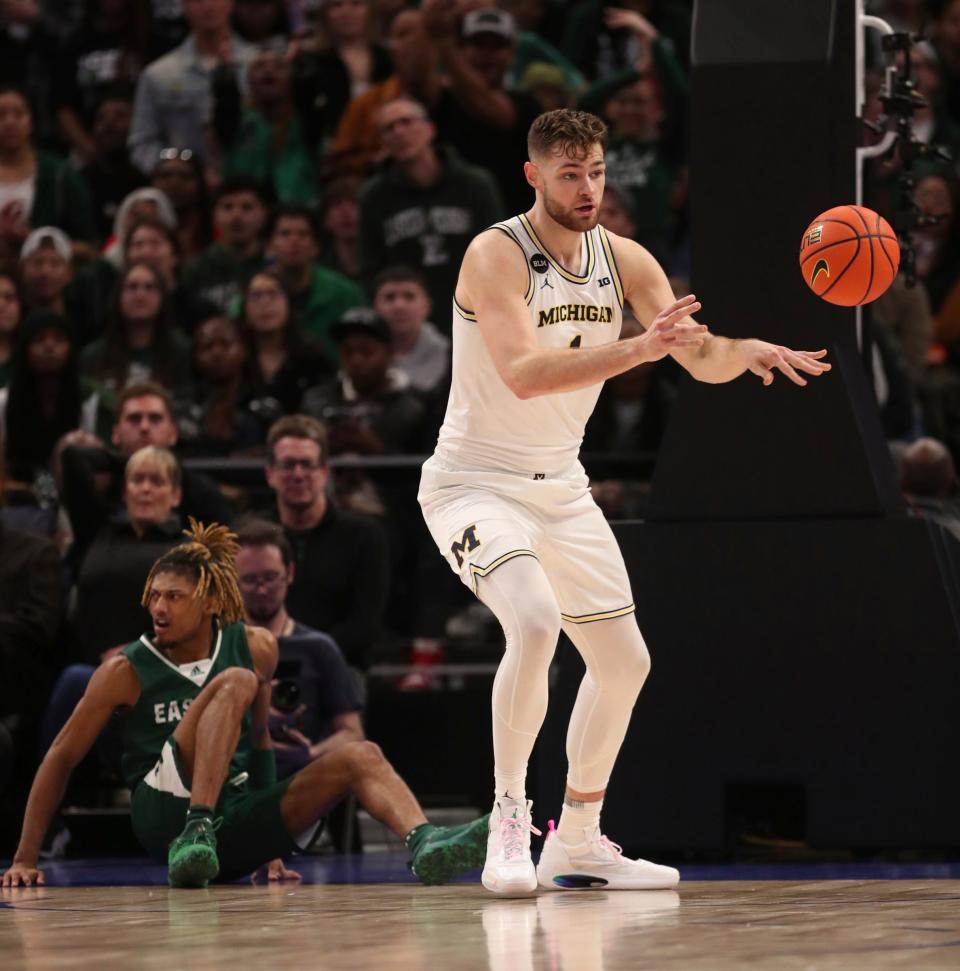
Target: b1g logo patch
{"type": "Point", "coordinates": [539, 262]}
{"type": "Point", "coordinates": [467, 544]}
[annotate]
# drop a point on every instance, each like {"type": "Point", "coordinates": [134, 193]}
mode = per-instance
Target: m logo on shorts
{"type": "Point", "coordinates": [468, 543]}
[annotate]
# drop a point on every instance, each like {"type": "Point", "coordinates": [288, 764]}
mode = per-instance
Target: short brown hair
{"type": "Point", "coordinates": [145, 389]}
{"type": "Point", "coordinates": [297, 426]}
{"type": "Point", "coordinates": [574, 133]}
{"type": "Point", "coordinates": [261, 532]}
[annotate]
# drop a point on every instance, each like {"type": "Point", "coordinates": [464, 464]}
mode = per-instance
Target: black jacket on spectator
{"type": "Point", "coordinates": [341, 581]}
{"type": "Point", "coordinates": [30, 611]}
{"type": "Point", "coordinates": [90, 508]}
{"type": "Point", "coordinates": [322, 86]}
{"type": "Point", "coordinates": [110, 585]}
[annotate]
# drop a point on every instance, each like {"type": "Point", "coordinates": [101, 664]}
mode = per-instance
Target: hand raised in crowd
{"type": "Point", "coordinates": [618, 18]}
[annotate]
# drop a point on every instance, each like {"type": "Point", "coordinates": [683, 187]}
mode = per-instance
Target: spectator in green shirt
{"type": "Point", "coordinates": [319, 296]}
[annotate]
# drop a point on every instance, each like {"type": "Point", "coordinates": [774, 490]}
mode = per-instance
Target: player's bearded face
{"type": "Point", "coordinates": [572, 188]}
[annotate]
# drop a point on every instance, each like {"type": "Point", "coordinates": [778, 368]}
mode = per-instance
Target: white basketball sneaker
{"type": "Point", "coordinates": [509, 870]}
{"type": "Point", "coordinates": [598, 864]}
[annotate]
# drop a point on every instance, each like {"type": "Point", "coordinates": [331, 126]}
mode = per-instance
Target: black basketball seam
{"type": "Point", "coordinates": [883, 250]}
{"type": "Point", "coordinates": [869, 278]}
{"type": "Point", "coordinates": [856, 253]}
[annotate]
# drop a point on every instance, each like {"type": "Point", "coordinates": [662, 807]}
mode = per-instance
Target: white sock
{"type": "Point", "coordinates": [579, 821]}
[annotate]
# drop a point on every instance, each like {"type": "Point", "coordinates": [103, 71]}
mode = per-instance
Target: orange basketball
{"type": "Point", "coordinates": [849, 255]}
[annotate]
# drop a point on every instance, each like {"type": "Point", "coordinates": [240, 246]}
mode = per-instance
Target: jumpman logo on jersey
{"type": "Point", "coordinates": [546, 282]}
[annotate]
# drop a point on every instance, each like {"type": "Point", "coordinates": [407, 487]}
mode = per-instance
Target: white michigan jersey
{"type": "Point", "coordinates": [487, 427]}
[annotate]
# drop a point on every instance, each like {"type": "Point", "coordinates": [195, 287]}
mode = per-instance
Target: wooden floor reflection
{"type": "Point", "coordinates": [836, 924]}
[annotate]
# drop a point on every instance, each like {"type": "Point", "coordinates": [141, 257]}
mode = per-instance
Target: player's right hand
{"type": "Point", "coordinates": [668, 332]}
{"type": "Point", "coordinates": [21, 875]}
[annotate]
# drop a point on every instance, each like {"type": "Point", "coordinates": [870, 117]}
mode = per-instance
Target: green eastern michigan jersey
{"type": "Point", "coordinates": [166, 692]}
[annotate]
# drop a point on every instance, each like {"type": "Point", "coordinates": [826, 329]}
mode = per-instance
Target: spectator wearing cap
{"type": "Point", "coordinates": [145, 202]}
{"type": "Point", "coordinates": [36, 189]}
{"type": "Point", "coordinates": [46, 397]}
{"type": "Point", "coordinates": [173, 105]}
{"type": "Point", "coordinates": [473, 110]}
{"type": "Point", "coordinates": [369, 407]}
{"type": "Point", "coordinates": [318, 295]}
{"type": "Point", "coordinates": [46, 267]}
{"type": "Point", "coordinates": [400, 297]}
{"type": "Point", "coordinates": [222, 270]}
{"type": "Point", "coordinates": [268, 138]}
{"type": "Point", "coordinates": [425, 205]}
{"type": "Point", "coordinates": [109, 174]}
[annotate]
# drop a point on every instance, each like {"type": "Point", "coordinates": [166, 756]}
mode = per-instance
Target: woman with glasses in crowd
{"type": "Point", "coordinates": [141, 341]}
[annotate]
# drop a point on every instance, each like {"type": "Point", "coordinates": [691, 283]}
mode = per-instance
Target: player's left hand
{"type": "Point", "coordinates": [763, 358]}
{"type": "Point", "coordinates": [276, 871]}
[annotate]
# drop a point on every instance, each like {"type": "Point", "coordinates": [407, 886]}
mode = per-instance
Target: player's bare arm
{"type": "Point", "coordinates": [717, 359]}
{"type": "Point", "coordinates": [114, 685]}
{"type": "Point", "coordinates": [264, 654]}
{"type": "Point", "coordinates": [493, 282]}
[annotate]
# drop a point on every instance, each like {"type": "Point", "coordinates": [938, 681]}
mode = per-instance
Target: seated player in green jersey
{"type": "Point", "coordinates": [197, 753]}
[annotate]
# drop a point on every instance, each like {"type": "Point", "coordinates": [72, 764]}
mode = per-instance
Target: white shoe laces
{"type": "Point", "coordinates": [612, 849]}
{"type": "Point", "coordinates": [514, 835]}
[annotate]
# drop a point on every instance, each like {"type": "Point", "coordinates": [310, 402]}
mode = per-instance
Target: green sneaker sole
{"type": "Point", "coordinates": [193, 866]}
{"type": "Point", "coordinates": [453, 853]}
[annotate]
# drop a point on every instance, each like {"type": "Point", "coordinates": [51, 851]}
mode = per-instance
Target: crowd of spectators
{"type": "Point", "coordinates": [230, 229]}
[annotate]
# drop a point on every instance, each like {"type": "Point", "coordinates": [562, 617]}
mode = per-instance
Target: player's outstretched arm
{"type": "Point", "coordinates": [717, 359]}
{"type": "Point", "coordinates": [493, 283]}
{"type": "Point", "coordinates": [114, 685]}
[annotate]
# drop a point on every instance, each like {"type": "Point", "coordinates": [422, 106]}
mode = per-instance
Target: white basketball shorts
{"type": "Point", "coordinates": [480, 520]}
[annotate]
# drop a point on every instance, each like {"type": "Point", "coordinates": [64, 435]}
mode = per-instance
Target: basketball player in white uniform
{"type": "Point", "coordinates": [535, 333]}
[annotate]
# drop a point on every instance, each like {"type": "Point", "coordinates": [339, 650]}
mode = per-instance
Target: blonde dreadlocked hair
{"type": "Point", "coordinates": [210, 557]}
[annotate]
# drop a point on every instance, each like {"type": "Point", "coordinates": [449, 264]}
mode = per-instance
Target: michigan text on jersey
{"type": "Point", "coordinates": [588, 313]}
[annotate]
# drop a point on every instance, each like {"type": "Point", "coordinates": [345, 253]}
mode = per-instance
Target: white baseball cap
{"type": "Point", "coordinates": [47, 236]}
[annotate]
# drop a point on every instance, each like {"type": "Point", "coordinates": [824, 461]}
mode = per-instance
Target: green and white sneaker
{"type": "Point", "coordinates": [442, 852]}
{"type": "Point", "coordinates": [192, 857]}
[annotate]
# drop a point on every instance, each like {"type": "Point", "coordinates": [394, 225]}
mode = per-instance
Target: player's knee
{"type": "Point", "coordinates": [540, 628]}
{"type": "Point", "coordinates": [241, 681]}
{"type": "Point", "coordinates": [637, 665]}
{"type": "Point", "coordinates": [363, 757]}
